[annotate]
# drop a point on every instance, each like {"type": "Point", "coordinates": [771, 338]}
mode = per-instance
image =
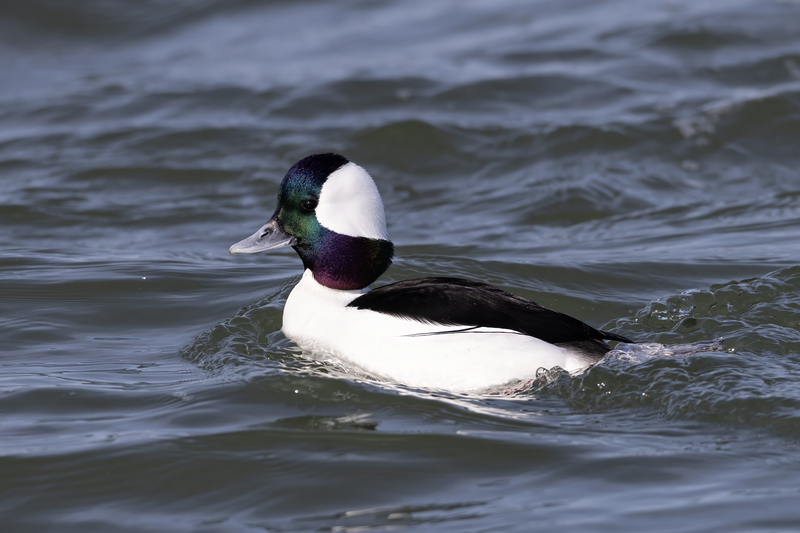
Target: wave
{"type": "Point", "coordinates": [726, 355]}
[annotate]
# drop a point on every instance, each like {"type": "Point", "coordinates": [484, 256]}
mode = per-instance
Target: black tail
{"type": "Point", "coordinates": [607, 335]}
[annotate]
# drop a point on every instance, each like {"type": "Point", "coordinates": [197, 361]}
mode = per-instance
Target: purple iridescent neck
{"type": "Point", "coordinates": [346, 263]}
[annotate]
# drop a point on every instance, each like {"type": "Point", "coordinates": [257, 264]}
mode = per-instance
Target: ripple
{"type": "Point", "coordinates": [746, 372]}
{"type": "Point", "coordinates": [251, 339]}
{"type": "Point", "coordinates": [615, 168]}
{"type": "Point", "coordinates": [732, 310]}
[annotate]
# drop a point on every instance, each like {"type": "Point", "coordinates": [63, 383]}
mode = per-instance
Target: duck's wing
{"type": "Point", "coordinates": [461, 302]}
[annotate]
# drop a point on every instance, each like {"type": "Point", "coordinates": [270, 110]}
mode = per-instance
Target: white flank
{"type": "Point", "coordinates": [349, 204]}
{"type": "Point", "coordinates": [317, 319]}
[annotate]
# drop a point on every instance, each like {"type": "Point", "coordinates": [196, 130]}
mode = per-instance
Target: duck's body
{"type": "Point", "coordinates": [418, 353]}
{"type": "Point", "coordinates": [441, 333]}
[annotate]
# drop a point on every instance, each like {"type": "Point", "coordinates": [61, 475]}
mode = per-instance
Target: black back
{"type": "Point", "coordinates": [460, 302]}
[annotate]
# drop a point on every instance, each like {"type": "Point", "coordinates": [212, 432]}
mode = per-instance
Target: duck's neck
{"type": "Point", "coordinates": [346, 263]}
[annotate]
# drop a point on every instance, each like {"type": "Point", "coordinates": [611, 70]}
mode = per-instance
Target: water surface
{"type": "Point", "coordinates": [633, 164]}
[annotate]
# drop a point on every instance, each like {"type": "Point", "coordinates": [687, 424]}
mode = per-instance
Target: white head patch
{"type": "Point", "coordinates": [349, 203]}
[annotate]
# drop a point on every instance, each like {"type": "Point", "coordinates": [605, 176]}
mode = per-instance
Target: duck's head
{"type": "Point", "coordinates": [330, 212]}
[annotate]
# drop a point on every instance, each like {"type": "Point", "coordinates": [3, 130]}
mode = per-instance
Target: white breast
{"type": "Point", "coordinates": [405, 351]}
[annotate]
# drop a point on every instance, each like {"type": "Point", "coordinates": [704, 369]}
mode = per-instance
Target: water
{"type": "Point", "coordinates": [633, 164]}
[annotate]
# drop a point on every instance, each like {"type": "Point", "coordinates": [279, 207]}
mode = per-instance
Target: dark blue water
{"type": "Point", "coordinates": [633, 164]}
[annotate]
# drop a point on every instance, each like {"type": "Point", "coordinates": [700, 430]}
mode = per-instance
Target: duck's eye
{"type": "Point", "coordinates": [309, 205]}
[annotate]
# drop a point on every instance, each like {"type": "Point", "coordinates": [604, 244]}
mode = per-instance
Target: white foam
{"type": "Point", "coordinates": [639, 353]}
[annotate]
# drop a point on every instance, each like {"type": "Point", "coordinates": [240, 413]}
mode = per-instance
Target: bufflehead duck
{"type": "Point", "coordinates": [442, 332]}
